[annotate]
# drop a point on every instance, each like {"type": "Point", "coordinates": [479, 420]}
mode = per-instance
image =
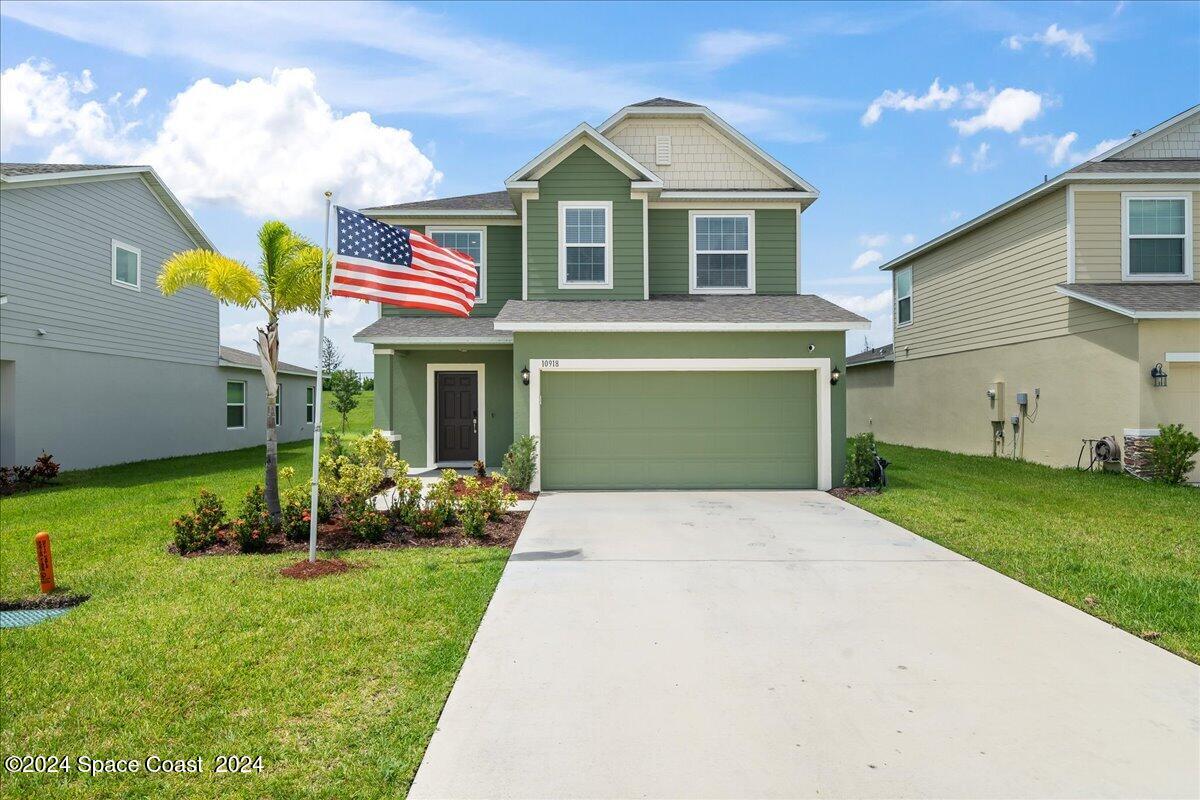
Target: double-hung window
{"type": "Point", "coordinates": [278, 405]}
{"type": "Point", "coordinates": [470, 242]}
{"type": "Point", "coordinates": [1158, 235]}
{"type": "Point", "coordinates": [584, 245]}
{"type": "Point", "coordinates": [235, 404]}
{"type": "Point", "coordinates": [310, 404]}
{"type": "Point", "coordinates": [903, 291]}
{"type": "Point", "coordinates": [722, 252]}
{"type": "Point", "coordinates": [126, 265]}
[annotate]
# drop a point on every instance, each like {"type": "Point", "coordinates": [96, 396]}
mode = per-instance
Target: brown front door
{"type": "Point", "coordinates": [457, 416]}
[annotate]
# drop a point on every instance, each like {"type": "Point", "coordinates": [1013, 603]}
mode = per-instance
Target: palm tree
{"type": "Point", "coordinates": [288, 280]}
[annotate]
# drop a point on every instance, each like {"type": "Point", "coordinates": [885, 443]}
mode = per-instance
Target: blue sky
{"type": "Point", "coordinates": [250, 110]}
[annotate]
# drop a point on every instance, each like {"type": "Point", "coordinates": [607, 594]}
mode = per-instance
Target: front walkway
{"type": "Point", "coordinates": [785, 644]}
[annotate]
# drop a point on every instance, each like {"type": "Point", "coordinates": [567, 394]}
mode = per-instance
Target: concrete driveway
{"type": "Point", "coordinates": [786, 644]}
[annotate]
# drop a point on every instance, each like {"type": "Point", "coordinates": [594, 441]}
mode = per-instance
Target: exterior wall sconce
{"type": "Point", "coordinates": [525, 375]}
{"type": "Point", "coordinates": [834, 376]}
{"type": "Point", "coordinates": [1158, 374]}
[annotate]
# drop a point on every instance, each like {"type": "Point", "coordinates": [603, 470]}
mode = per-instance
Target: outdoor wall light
{"type": "Point", "coordinates": [835, 376]}
{"type": "Point", "coordinates": [525, 375]}
{"type": "Point", "coordinates": [1158, 374]}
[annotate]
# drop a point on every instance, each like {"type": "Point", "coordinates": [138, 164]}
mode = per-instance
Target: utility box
{"type": "Point", "coordinates": [1022, 399]}
{"type": "Point", "coordinates": [996, 401]}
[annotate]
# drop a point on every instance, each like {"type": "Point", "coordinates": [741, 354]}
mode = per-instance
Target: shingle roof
{"type": "Point", "coordinates": [1141, 165]}
{"type": "Point", "coordinates": [875, 354]}
{"type": "Point", "coordinates": [14, 168]}
{"type": "Point", "coordinates": [665, 102]}
{"type": "Point", "coordinates": [1139, 299]}
{"type": "Point", "coordinates": [487, 201]}
{"type": "Point", "coordinates": [240, 358]}
{"type": "Point", "coordinates": [683, 308]}
{"type": "Point", "coordinates": [416, 329]}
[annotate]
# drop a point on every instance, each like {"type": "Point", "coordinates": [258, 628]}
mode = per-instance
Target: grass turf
{"type": "Point", "coordinates": [337, 682]}
{"type": "Point", "coordinates": [1123, 550]}
{"type": "Point", "coordinates": [359, 421]}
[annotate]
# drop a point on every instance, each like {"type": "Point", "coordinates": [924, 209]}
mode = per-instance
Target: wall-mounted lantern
{"type": "Point", "coordinates": [1159, 374]}
{"type": "Point", "coordinates": [525, 375]}
{"type": "Point", "coordinates": [834, 376]}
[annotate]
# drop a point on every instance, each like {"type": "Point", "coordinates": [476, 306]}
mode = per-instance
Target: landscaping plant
{"type": "Point", "coordinates": [288, 279]}
{"type": "Point", "coordinates": [520, 462]}
{"type": "Point", "coordinates": [22, 476]}
{"type": "Point", "coordinates": [406, 501]}
{"type": "Point", "coordinates": [860, 460]}
{"type": "Point", "coordinates": [253, 528]}
{"type": "Point", "coordinates": [444, 493]}
{"type": "Point", "coordinates": [429, 519]}
{"type": "Point", "coordinates": [480, 468]}
{"type": "Point", "coordinates": [365, 522]}
{"type": "Point", "coordinates": [471, 511]}
{"type": "Point", "coordinates": [1171, 453]}
{"type": "Point", "coordinates": [358, 471]}
{"type": "Point", "coordinates": [497, 499]}
{"type": "Point", "coordinates": [346, 387]}
{"type": "Point", "coordinates": [201, 528]}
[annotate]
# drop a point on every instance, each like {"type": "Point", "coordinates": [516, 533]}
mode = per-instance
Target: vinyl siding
{"type": "Point", "coordinates": [584, 175]}
{"type": "Point", "coordinates": [774, 251]}
{"type": "Point", "coordinates": [995, 286]}
{"type": "Point", "coordinates": [503, 271]}
{"type": "Point", "coordinates": [1098, 235]}
{"type": "Point", "coordinates": [56, 269]}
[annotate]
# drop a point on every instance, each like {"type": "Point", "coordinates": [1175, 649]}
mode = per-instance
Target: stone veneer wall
{"type": "Point", "coordinates": [1136, 455]}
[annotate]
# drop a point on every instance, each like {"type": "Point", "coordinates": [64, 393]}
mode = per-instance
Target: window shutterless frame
{"type": "Point", "coordinates": [694, 252]}
{"type": "Point", "coordinates": [233, 404]}
{"type": "Point", "coordinates": [120, 257]}
{"type": "Point", "coordinates": [899, 276]}
{"type": "Point", "coordinates": [278, 404]}
{"type": "Point", "coordinates": [310, 393]}
{"type": "Point", "coordinates": [1127, 235]}
{"type": "Point", "coordinates": [564, 245]}
{"type": "Point", "coordinates": [480, 264]}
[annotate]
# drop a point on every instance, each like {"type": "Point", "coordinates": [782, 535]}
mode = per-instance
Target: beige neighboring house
{"type": "Point", "coordinates": [1070, 297]}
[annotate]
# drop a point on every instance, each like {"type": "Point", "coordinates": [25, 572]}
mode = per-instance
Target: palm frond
{"type": "Point", "coordinates": [226, 279]}
{"type": "Point", "coordinates": [298, 281]}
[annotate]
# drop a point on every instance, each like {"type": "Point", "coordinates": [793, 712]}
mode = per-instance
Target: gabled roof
{"type": "Point", "coordinates": [875, 355]}
{"type": "Point", "coordinates": [232, 357]}
{"type": "Point", "coordinates": [17, 175]}
{"type": "Point", "coordinates": [1143, 165]}
{"type": "Point", "coordinates": [581, 134]}
{"type": "Point", "coordinates": [485, 204]}
{"type": "Point", "coordinates": [432, 330]}
{"type": "Point", "coordinates": [661, 106]}
{"type": "Point", "coordinates": [1142, 138]}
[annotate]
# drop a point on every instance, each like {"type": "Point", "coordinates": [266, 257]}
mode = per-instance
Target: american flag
{"type": "Point", "coordinates": [400, 267]}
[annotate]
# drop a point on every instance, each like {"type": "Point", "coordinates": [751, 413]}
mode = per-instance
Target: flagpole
{"type": "Point", "coordinates": [316, 462]}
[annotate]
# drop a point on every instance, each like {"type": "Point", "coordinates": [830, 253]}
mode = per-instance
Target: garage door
{"type": "Point", "coordinates": [679, 430]}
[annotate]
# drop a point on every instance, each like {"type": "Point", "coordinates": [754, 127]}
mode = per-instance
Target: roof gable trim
{"type": "Point", "coordinates": [582, 135]}
{"type": "Point", "coordinates": [1154, 132]}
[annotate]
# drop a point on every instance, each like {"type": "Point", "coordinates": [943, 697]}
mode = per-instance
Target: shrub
{"type": "Point", "coordinates": [471, 511]}
{"type": "Point", "coordinates": [406, 500]}
{"type": "Point", "coordinates": [444, 493]}
{"type": "Point", "coordinates": [365, 522]}
{"type": "Point", "coordinates": [24, 476]}
{"type": "Point", "coordinates": [428, 520]}
{"type": "Point", "coordinates": [199, 529]}
{"type": "Point", "coordinates": [357, 471]}
{"type": "Point", "coordinates": [480, 468]}
{"type": "Point", "coordinates": [860, 460]}
{"type": "Point", "coordinates": [253, 528]}
{"type": "Point", "coordinates": [497, 499]}
{"type": "Point", "coordinates": [45, 468]}
{"type": "Point", "coordinates": [294, 519]}
{"type": "Point", "coordinates": [519, 463]}
{"type": "Point", "coordinates": [1171, 453]}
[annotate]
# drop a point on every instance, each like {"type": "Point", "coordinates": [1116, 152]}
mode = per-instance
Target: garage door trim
{"type": "Point", "coordinates": [820, 365]}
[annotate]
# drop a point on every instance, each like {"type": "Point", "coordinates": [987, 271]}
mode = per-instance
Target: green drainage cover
{"type": "Point", "coordinates": [19, 619]}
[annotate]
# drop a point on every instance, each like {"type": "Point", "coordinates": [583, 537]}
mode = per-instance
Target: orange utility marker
{"type": "Point", "coordinates": [45, 561]}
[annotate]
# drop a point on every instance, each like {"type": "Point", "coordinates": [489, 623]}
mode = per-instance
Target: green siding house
{"type": "Point", "coordinates": [639, 312]}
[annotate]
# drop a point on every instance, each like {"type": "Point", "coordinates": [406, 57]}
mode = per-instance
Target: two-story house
{"type": "Point", "coordinates": [96, 365]}
{"type": "Point", "coordinates": [639, 312]}
{"type": "Point", "coordinates": [1071, 312]}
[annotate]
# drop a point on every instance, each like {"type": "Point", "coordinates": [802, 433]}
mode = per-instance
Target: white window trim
{"type": "Point", "coordinates": [563, 283]}
{"type": "Point", "coordinates": [1186, 197]}
{"type": "Point", "coordinates": [431, 371]}
{"type": "Point", "coordinates": [278, 404]}
{"type": "Point", "coordinates": [241, 427]}
{"type": "Point", "coordinates": [820, 365]}
{"type": "Point", "coordinates": [482, 231]}
{"type": "Point", "coordinates": [136, 287]}
{"type": "Point", "coordinates": [310, 404]}
{"type": "Point", "coordinates": [750, 277]}
{"type": "Point", "coordinates": [912, 306]}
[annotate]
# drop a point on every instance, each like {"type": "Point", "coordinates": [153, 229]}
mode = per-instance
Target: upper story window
{"type": "Point", "coordinates": [310, 403]}
{"type": "Point", "coordinates": [722, 252]}
{"type": "Point", "coordinates": [584, 245]}
{"type": "Point", "coordinates": [126, 265]}
{"type": "Point", "coordinates": [1158, 236]}
{"type": "Point", "coordinates": [903, 292]}
{"type": "Point", "coordinates": [235, 404]}
{"type": "Point", "coordinates": [471, 242]}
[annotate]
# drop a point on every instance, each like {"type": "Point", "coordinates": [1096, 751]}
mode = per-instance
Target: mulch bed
{"type": "Point", "coordinates": [44, 601]}
{"type": "Point", "coordinates": [460, 488]}
{"type": "Point", "coordinates": [307, 570]}
{"type": "Point", "coordinates": [842, 492]}
{"type": "Point", "coordinates": [334, 536]}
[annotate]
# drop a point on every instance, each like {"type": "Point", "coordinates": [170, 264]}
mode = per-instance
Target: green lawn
{"type": "Point", "coordinates": [360, 420]}
{"type": "Point", "coordinates": [337, 683]}
{"type": "Point", "coordinates": [1123, 550]}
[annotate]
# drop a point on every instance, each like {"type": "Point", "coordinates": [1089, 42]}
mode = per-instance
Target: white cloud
{"type": "Point", "coordinates": [268, 147]}
{"type": "Point", "coordinates": [1007, 110]}
{"type": "Point", "coordinates": [85, 84]}
{"type": "Point", "coordinates": [908, 238]}
{"type": "Point", "coordinates": [952, 216]}
{"type": "Point", "coordinates": [866, 259]}
{"type": "Point", "coordinates": [721, 48]}
{"type": "Point", "coordinates": [955, 157]}
{"type": "Point", "coordinates": [1058, 149]}
{"type": "Point", "coordinates": [875, 307]}
{"type": "Point", "coordinates": [980, 160]}
{"type": "Point", "coordinates": [851, 280]}
{"type": "Point", "coordinates": [874, 239]}
{"type": "Point", "coordinates": [137, 98]}
{"type": "Point", "coordinates": [1070, 43]}
{"type": "Point", "coordinates": [935, 97]}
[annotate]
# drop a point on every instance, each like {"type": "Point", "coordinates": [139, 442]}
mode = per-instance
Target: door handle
{"type": "Point", "coordinates": [475, 424]}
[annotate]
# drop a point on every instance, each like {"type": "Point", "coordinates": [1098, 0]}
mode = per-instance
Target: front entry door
{"type": "Point", "coordinates": [457, 416]}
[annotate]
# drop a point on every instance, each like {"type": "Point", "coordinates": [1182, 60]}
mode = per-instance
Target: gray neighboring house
{"type": "Point", "coordinates": [96, 366]}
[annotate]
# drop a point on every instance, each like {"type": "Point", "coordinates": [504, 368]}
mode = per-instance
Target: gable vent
{"type": "Point", "coordinates": [662, 150]}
